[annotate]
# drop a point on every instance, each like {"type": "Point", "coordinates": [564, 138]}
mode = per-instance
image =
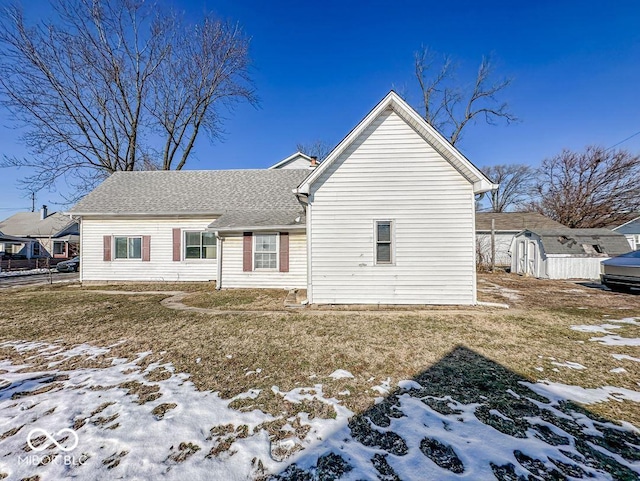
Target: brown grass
{"type": "Point", "coordinates": [295, 349]}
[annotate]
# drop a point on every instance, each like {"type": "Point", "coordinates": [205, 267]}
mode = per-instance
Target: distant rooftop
{"type": "Point", "coordinates": [30, 224]}
{"type": "Point", "coordinates": [514, 221]}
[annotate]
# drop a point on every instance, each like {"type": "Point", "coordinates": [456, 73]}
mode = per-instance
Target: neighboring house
{"type": "Point", "coordinates": [564, 253]}
{"type": "Point", "coordinates": [51, 234]}
{"type": "Point", "coordinates": [631, 230]}
{"type": "Point", "coordinates": [387, 218]}
{"type": "Point", "coordinates": [506, 225]}
{"type": "Point", "coordinates": [297, 161]}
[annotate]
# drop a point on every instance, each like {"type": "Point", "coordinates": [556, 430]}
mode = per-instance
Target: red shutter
{"type": "Point", "coordinates": [106, 248]}
{"type": "Point", "coordinates": [247, 254]}
{"type": "Point", "coordinates": [177, 235]}
{"type": "Point", "coordinates": [284, 252]}
{"type": "Point", "coordinates": [146, 248]}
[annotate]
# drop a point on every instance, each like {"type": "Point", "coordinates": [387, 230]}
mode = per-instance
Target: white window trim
{"type": "Point", "coordinates": [183, 248]}
{"type": "Point", "coordinates": [254, 251]}
{"type": "Point", "coordinates": [392, 248]}
{"type": "Point", "coordinates": [126, 259]}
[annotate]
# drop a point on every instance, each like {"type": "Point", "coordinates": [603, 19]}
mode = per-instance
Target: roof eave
{"type": "Point", "coordinates": [145, 214]}
{"type": "Point", "coordinates": [257, 228]}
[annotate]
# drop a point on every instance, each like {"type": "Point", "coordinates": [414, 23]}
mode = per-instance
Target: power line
{"type": "Point", "coordinates": [624, 140]}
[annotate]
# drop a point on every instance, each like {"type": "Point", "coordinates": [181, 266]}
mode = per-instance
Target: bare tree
{"type": "Point", "coordinates": [516, 182]}
{"type": "Point", "coordinates": [115, 85]}
{"type": "Point", "coordinates": [594, 188]}
{"type": "Point", "coordinates": [448, 106]}
{"type": "Point", "coordinates": [317, 148]}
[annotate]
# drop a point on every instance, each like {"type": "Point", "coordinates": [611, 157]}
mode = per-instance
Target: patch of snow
{"type": "Point", "coordinates": [570, 365]}
{"type": "Point", "coordinates": [340, 374]}
{"type": "Point", "coordinates": [29, 272]}
{"type": "Point", "coordinates": [618, 370]}
{"type": "Point", "coordinates": [228, 356]}
{"type": "Point", "coordinates": [558, 391]}
{"type": "Point", "coordinates": [604, 328]}
{"type": "Point", "coordinates": [539, 368]}
{"type": "Point", "coordinates": [384, 387]}
{"type": "Point", "coordinates": [409, 384]}
{"type": "Point", "coordinates": [346, 392]}
{"type": "Point", "coordinates": [617, 340]}
{"type": "Point", "coordinates": [620, 357]}
{"type": "Point", "coordinates": [198, 360]}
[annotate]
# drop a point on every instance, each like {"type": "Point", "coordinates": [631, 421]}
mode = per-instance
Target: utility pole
{"type": "Point", "coordinates": [33, 201]}
{"type": "Point", "coordinates": [493, 245]}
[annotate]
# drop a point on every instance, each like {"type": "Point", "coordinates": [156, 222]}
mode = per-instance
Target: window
{"type": "Point", "coordinates": [199, 245]}
{"type": "Point", "coordinates": [58, 248]}
{"type": "Point", "coordinates": [637, 242]}
{"type": "Point", "coordinates": [383, 242]}
{"type": "Point", "coordinates": [128, 247]}
{"type": "Point", "coordinates": [36, 249]}
{"type": "Point", "coordinates": [266, 251]}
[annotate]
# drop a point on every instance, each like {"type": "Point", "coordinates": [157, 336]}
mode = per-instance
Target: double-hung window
{"type": "Point", "coordinates": [266, 251]}
{"type": "Point", "coordinates": [384, 242]}
{"type": "Point", "coordinates": [199, 245]}
{"type": "Point", "coordinates": [128, 247]}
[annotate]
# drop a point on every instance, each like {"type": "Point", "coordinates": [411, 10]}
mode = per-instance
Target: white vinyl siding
{"type": "Point", "coordinates": [391, 172]}
{"type": "Point", "coordinates": [160, 267]}
{"type": "Point", "coordinates": [233, 275]}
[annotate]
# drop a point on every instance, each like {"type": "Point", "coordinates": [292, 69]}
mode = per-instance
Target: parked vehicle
{"type": "Point", "coordinates": [72, 265]}
{"type": "Point", "coordinates": [622, 273]}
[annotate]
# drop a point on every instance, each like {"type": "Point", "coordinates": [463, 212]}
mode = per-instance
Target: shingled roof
{"type": "Point", "coordinates": [30, 224]}
{"type": "Point", "coordinates": [581, 242]}
{"type": "Point", "coordinates": [240, 197]}
{"type": "Point", "coordinates": [514, 221]}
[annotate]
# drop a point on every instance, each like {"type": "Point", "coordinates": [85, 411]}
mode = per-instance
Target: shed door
{"type": "Point", "coordinates": [532, 259]}
{"type": "Point", "coordinates": [528, 258]}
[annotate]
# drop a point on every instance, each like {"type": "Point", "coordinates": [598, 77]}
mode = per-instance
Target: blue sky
{"type": "Point", "coordinates": [319, 67]}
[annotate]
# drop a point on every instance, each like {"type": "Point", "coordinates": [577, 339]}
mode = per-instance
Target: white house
{"type": "Point", "coordinates": [631, 230]}
{"type": "Point", "coordinates": [388, 217]}
{"type": "Point", "coordinates": [564, 253]}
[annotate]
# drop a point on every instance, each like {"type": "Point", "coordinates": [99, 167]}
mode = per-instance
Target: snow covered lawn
{"type": "Point", "coordinates": [105, 386]}
{"type": "Point", "coordinates": [115, 423]}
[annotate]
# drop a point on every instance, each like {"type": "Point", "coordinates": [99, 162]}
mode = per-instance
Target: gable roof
{"type": "Point", "coordinates": [572, 241]}
{"type": "Point", "coordinates": [292, 158]}
{"type": "Point", "coordinates": [393, 101]}
{"type": "Point", "coordinates": [30, 224]}
{"type": "Point", "coordinates": [514, 221]}
{"type": "Point", "coordinates": [236, 195]}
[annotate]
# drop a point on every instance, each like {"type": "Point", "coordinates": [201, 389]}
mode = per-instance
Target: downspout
{"type": "Point", "coordinates": [219, 242]}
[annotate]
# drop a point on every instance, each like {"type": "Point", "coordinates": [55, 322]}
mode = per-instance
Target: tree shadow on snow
{"type": "Point", "coordinates": [469, 417]}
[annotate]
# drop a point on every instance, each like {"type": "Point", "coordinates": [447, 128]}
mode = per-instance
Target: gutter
{"type": "Point", "coordinates": [258, 228]}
